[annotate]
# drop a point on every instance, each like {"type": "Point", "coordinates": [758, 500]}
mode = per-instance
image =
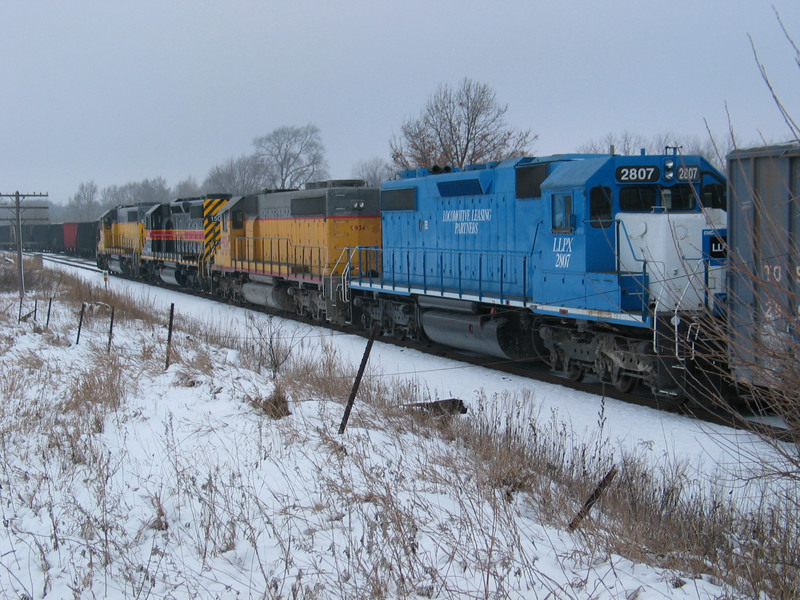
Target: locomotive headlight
{"type": "Point", "coordinates": [669, 164]}
{"type": "Point", "coordinates": [361, 204]}
{"type": "Point", "coordinates": [668, 175]}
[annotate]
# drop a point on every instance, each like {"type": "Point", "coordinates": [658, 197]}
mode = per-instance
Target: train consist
{"type": "Point", "coordinates": [78, 239]}
{"type": "Point", "coordinates": [596, 264]}
{"type": "Point", "coordinates": [285, 250]}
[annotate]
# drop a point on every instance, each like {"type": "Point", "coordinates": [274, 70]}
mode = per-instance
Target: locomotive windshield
{"type": "Point", "coordinates": [714, 196]}
{"type": "Point", "coordinates": [646, 198]}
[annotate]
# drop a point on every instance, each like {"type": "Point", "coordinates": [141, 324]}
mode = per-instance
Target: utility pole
{"type": "Point", "coordinates": [18, 210]}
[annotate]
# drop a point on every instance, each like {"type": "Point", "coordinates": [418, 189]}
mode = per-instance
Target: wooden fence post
{"type": "Point", "coordinates": [111, 329]}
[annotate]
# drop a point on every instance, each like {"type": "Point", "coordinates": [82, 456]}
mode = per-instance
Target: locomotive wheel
{"type": "Point", "coordinates": [575, 371]}
{"type": "Point", "coordinates": [366, 322]}
{"type": "Point", "coordinates": [624, 383]}
{"type": "Point", "coordinates": [555, 359]}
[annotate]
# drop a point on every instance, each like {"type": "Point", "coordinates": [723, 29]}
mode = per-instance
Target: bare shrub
{"type": "Point", "coordinates": [275, 405]}
{"type": "Point", "coordinates": [318, 372]}
{"type": "Point", "coordinates": [272, 345]}
{"type": "Point", "coordinates": [660, 515]}
{"type": "Point", "coordinates": [102, 384]}
{"type": "Point", "coordinates": [188, 378]}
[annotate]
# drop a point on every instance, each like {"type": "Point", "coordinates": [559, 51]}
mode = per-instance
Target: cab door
{"type": "Point", "coordinates": [603, 284]}
{"type": "Point", "coordinates": [600, 232]}
{"type": "Point", "coordinates": [564, 247]}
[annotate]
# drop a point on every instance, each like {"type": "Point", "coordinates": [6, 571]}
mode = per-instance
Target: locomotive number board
{"type": "Point", "coordinates": [638, 174]}
{"type": "Point", "coordinates": [688, 173]}
{"type": "Point", "coordinates": [644, 174]}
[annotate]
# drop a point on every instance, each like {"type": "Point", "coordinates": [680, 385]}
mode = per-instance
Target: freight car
{"type": "Point", "coordinates": [764, 270]}
{"type": "Point", "coordinates": [78, 238]}
{"type": "Point", "coordinates": [71, 238]}
{"type": "Point", "coordinates": [596, 263]}
{"type": "Point", "coordinates": [34, 236]}
{"type": "Point", "coordinates": [7, 237]}
{"type": "Point", "coordinates": [38, 237]}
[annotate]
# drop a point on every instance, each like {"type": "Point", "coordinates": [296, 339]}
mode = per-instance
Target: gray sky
{"type": "Point", "coordinates": [119, 91]}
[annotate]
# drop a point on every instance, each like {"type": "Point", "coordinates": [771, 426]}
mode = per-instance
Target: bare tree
{"type": "Point", "coordinates": [292, 156]}
{"type": "Point", "coordinates": [457, 127]}
{"type": "Point", "coordinates": [186, 188]}
{"type": "Point", "coordinates": [373, 171]}
{"type": "Point", "coordinates": [629, 143]}
{"type": "Point", "coordinates": [243, 175]}
{"type": "Point", "coordinates": [84, 205]}
{"type": "Point", "coordinates": [151, 190]}
{"type": "Point", "coordinates": [111, 196]}
{"type": "Point", "coordinates": [135, 192]}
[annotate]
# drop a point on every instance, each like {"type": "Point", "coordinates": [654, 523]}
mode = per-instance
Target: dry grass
{"type": "Point", "coordinates": [662, 517]}
{"type": "Point", "coordinates": [318, 372]}
{"type": "Point", "coordinates": [490, 462]}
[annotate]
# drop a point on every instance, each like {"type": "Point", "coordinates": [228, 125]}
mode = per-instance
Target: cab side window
{"type": "Point", "coordinates": [238, 219]}
{"type": "Point", "coordinates": [600, 206]}
{"type": "Point", "coordinates": [562, 211]}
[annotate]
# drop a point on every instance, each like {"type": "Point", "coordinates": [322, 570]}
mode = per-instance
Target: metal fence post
{"type": "Point", "coordinates": [357, 382]}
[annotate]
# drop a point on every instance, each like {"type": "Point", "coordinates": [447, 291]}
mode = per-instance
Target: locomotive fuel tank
{"type": "Point", "coordinates": [473, 333]}
{"type": "Point", "coordinates": [271, 295]}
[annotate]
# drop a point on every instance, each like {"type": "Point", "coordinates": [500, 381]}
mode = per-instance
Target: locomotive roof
{"type": "Point", "coordinates": [574, 173]}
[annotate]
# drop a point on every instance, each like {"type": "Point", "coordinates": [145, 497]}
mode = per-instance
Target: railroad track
{"type": "Point", "coordinates": [719, 416]}
{"type": "Point", "coordinates": [72, 262]}
{"type": "Point", "coordinates": [728, 417]}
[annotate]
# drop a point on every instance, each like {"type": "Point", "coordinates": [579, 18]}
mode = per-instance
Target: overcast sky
{"type": "Point", "coordinates": [118, 91]}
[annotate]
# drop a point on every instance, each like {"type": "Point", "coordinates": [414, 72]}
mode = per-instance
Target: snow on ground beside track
{"type": "Point", "coordinates": [721, 455]}
{"type": "Point", "coordinates": [186, 491]}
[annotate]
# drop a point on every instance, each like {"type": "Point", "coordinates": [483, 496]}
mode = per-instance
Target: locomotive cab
{"type": "Point", "coordinates": [182, 237]}
{"type": "Point", "coordinates": [636, 246]}
{"type": "Point", "coordinates": [121, 237]}
{"type": "Point", "coordinates": [625, 234]}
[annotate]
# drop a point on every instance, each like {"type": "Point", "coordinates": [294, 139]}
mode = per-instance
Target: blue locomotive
{"type": "Point", "coordinates": [597, 264]}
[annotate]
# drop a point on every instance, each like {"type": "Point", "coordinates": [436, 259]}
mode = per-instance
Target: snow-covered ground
{"type": "Point", "coordinates": [185, 490]}
{"type": "Point", "coordinates": [712, 451]}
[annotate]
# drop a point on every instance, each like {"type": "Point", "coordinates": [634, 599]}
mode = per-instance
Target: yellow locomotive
{"type": "Point", "coordinates": [285, 249]}
{"type": "Point", "coordinates": [288, 249]}
{"type": "Point", "coordinates": [121, 238]}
